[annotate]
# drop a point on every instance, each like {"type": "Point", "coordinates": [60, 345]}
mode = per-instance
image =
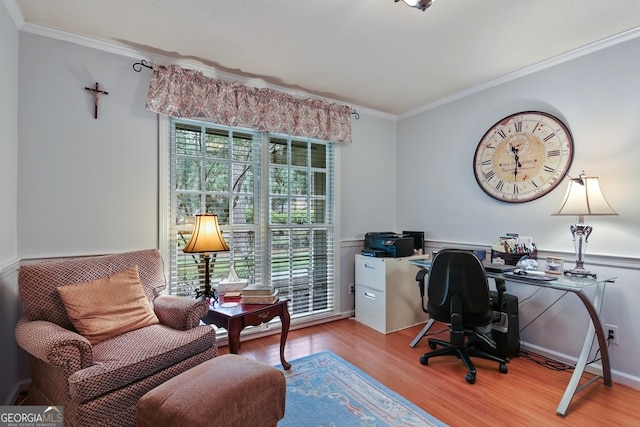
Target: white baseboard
{"type": "Point", "coordinates": [594, 368]}
{"type": "Point", "coordinates": [20, 387]}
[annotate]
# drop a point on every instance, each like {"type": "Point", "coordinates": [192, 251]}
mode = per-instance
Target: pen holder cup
{"type": "Point", "coordinates": [512, 259]}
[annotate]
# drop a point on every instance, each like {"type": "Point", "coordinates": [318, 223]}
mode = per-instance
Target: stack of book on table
{"type": "Point", "coordinates": [231, 296]}
{"type": "Point", "coordinates": [259, 295]}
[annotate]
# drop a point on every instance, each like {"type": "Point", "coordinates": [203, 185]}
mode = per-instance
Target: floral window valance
{"type": "Point", "coordinates": [183, 93]}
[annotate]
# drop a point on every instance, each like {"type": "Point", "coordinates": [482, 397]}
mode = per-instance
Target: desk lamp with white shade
{"type": "Point", "coordinates": [583, 197]}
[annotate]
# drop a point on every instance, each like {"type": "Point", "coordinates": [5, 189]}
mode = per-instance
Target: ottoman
{"type": "Point", "coordinates": [228, 390]}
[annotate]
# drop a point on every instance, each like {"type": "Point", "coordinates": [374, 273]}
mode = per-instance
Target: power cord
{"type": "Point", "coordinates": [437, 332]}
{"type": "Point", "coordinates": [545, 362]}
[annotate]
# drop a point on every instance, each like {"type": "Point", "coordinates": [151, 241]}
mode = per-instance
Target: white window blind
{"type": "Point", "coordinates": [274, 197]}
{"type": "Point", "coordinates": [300, 229]}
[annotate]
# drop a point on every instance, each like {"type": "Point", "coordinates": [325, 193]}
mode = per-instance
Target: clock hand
{"type": "Point", "coordinates": [517, 159]}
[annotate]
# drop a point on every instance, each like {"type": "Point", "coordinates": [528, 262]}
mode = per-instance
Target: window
{"type": "Point", "coordinates": [274, 197]}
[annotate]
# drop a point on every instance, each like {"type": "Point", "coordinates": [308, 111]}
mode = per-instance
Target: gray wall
{"type": "Point", "coordinates": [86, 186]}
{"type": "Point", "coordinates": [598, 97]}
{"type": "Point", "coordinates": [9, 139]}
{"type": "Point", "coordinates": [12, 364]}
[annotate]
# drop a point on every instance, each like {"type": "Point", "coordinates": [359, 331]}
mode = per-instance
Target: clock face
{"type": "Point", "coordinates": [523, 157]}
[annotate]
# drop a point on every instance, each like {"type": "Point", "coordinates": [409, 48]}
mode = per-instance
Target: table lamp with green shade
{"type": "Point", "coordinates": [583, 197]}
{"type": "Point", "coordinates": [206, 238]}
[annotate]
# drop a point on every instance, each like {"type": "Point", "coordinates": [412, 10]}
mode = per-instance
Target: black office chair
{"type": "Point", "coordinates": [458, 293]}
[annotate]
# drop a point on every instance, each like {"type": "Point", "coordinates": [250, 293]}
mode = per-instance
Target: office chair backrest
{"type": "Point", "coordinates": [458, 275]}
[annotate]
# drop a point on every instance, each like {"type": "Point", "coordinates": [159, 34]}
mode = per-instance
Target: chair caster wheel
{"type": "Point", "coordinates": [471, 378]}
{"type": "Point", "coordinates": [432, 345]}
{"type": "Point", "coordinates": [503, 368]}
{"type": "Point", "coordinates": [424, 360]}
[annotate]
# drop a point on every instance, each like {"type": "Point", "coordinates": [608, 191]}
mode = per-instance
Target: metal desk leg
{"type": "Point", "coordinates": [422, 333]}
{"type": "Point", "coordinates": [595, 326]}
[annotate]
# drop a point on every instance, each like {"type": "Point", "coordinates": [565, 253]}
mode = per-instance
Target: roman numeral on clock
{"type": "Point", "coordinates": [518, 125]}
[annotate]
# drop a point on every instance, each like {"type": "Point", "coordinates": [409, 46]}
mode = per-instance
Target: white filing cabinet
{"type": "Point", "coordinates": [387, 294]}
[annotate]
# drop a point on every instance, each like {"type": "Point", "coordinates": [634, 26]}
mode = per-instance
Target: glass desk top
{"type": "Point", "coordinates": [562, 282]}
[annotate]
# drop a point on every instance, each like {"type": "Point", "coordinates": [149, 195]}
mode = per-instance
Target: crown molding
{"type": "Point", "coordinates": [116, 48]}
{"type": "Point", "coordinates": [559, 59]}
{"type": "Point", "coordinates": [82, 40]}
{"type": "Point", "coordinates": [120, 49]}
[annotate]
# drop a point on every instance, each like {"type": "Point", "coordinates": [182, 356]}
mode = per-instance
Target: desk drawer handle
{"type": "Point", "coordinates": [263, 315]}
{"type": "Point", "coordinates": [369, 266]}
{"type": "Point", "coordinates": [370, 295]}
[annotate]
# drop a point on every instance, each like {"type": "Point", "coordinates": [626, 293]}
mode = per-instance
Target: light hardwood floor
{"type": "Point", "coordinates": [527, 396]}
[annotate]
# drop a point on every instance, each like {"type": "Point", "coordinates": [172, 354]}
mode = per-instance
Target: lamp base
{"type": "Point", "coordinates": [579, 272]}
{"type": "Point", "coordinates": [207, 293]}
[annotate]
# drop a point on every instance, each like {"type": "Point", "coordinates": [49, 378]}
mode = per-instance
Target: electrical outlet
{"type": "Point", "coordinates": [352, 289]}
{"type": "Point", "coordinates": [611, 332]}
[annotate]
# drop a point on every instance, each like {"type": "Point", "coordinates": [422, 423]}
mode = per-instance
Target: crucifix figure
{"type": "Point", "coordinates": [96, 94]}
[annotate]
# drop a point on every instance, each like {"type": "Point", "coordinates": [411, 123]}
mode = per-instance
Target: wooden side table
{"type": "Point", "coordinates": [235, 319]}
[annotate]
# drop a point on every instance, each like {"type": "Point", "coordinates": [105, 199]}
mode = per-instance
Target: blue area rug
{"type": "Point", "coordinates": [324, 390]}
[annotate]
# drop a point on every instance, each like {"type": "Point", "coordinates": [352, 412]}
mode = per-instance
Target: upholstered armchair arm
{"type": "Point", "coordinates": [55, 345]}
{"type": "Point", "coordinates": [180, 313]}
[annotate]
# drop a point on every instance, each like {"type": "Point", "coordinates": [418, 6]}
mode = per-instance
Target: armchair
{"type": "Point", "coordinates": [100, 383]}
{"type": "Point", "coordinates": [458, 292]}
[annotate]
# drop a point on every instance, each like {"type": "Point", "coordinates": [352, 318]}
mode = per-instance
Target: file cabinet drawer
{"type": "Point", "coordinates": [370, 308]}
{"type": "Point", "coordinates": [370, 272]}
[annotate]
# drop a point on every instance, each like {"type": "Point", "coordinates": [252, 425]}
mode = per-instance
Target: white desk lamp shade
{"type": "Point", "coordinates": [583, 197]}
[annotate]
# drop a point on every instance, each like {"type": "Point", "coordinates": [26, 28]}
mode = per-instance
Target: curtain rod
{"type": "Point", "coordinates": [137, 67]}
{"type": "Point", "coordinates": [142, 63]}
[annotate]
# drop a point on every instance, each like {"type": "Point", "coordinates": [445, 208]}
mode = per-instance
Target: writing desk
{"type": "Point", "coordinates": [577, 286]}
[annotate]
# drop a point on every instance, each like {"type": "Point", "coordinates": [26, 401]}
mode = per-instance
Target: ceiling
{"type": "Point", "coordinates": [375, 54]}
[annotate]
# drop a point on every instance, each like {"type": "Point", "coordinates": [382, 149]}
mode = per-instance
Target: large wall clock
{"type": "Point", "coordinates": [523, 156]}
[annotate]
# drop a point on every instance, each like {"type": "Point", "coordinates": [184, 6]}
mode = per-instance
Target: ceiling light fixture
{"type": "Point", "coordinates": [418, 4]}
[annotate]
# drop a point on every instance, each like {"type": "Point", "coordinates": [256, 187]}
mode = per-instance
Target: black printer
{"type": "Point", "coordinates": [388, 244]}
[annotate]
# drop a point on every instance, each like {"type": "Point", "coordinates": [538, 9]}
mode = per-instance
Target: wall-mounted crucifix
{"type": "Point", "coordinates": [96, 94]}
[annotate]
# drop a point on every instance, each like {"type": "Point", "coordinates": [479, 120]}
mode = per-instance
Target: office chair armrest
{"type": "Point", "coordinates": [420, 277]}
{"type": "Point", "coordinates": [501, 287]}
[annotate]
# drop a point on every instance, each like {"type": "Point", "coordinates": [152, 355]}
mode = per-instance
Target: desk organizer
{"type": "Point", "coordinates": [512, 259]}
